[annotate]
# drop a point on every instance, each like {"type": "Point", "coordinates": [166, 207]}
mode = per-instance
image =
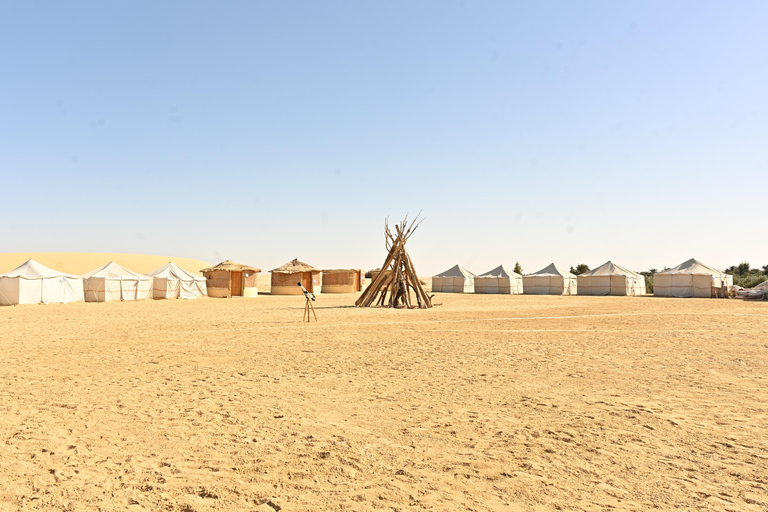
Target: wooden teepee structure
{"type": "Point", "coordinates": [398, 276]}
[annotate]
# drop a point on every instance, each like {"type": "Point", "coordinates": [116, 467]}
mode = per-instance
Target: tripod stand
{"type": "Point", "coordinates": [307, 308]}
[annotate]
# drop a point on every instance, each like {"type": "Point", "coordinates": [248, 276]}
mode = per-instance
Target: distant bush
{"type": "Point", "coordinates": [649, 280]}
{"type": "Point", "coordinates": [746, 276]}
{"type": "Point", "coordinates": [649, 283]}
{"type": "Point", "coordinates": [581, 268]}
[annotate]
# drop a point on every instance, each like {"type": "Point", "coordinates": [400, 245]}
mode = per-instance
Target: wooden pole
{"type": "Point", "coordinates": [373, 288]}
{"type": "Point", "coordinates": [397, 275]}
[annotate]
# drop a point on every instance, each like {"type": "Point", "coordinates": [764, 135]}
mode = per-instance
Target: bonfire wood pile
{"type": "Point", "coordinates": [398, 277]}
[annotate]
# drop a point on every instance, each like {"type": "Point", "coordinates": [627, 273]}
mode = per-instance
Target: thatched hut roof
{"type": "Point", "coordinates": [331, 271]}
{"type": "Point", "coordinates": [230, 266]}
{"type": "Point", "coordinates": [294, 266]}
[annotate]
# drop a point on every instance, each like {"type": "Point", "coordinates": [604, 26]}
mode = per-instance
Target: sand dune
{"type": "Point", "coordinates": [82, 262]}
{"type": "Point", "coordinates": [487, 403]}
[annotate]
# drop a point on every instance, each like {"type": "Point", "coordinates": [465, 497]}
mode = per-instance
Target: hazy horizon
{"type": "Point", "coordinates": [263, 132]}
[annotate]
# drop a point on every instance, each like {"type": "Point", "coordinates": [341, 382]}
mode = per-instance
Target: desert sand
{"type": "Point", "coordinates": [484, 403]}
{"type": "Point", "coordinates": [80, 263]}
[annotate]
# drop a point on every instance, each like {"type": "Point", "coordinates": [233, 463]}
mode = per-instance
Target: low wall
{"type": "Point", "coordinates": [223, 293]}
{"type": "Point", "coordinates": [286, 290]}
{"type": "Point", "coordinates": [218, 293]}
{"type": "Point", "coordinates": [330, 288]}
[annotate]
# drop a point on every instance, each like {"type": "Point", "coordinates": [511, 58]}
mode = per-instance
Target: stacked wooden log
{"type": "Point", "coordinates": [393, 286]}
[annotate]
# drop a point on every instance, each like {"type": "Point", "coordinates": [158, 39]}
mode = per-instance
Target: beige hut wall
{"type": "Point", "coordinates": [375, 273]}
{"type": "Point", "coordinates": [286, 284]}
{"type": "Point", "coordinates": [342, 281]}
{"type": "Point", "coordinates": [250, 285]}
{"type": "Point", "coordinates": [217, 283]}
{"type": "Point", "coordinates": [317, 282]}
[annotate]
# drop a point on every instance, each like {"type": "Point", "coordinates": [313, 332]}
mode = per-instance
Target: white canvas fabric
{"type": "Point", "coordinates": [115, 282]}
{"type": "Point", "coordinates": [456, 279]}
{"type": "Point", "coordinates": [173, 282]}
{"type": "Point", "coordinates": [692, 279]}
{"type": "Point", "coordinates": [611, 279]}
{"type": "Point", "coordinates": [759, 291]}
{"type": "Point", "coordinates": [499, 280]}
{"type": "Point", "coordinates": [33, 283]}
{"type": "Point", "coordinates": [551, 280]}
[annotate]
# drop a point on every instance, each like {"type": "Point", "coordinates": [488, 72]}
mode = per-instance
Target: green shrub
{"type": "Point", "coordinates": [749, 280]}
{"type": "Point", "coordinates": [648, 283]}
{"type": "Point", "coordinates": [581, 268]}
{"type": "Point", "coordinates": [649, 280]}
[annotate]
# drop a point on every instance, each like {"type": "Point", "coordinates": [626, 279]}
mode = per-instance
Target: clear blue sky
{"type": "Point", "coordinates": [263, 131]}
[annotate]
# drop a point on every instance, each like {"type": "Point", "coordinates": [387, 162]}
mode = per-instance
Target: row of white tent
{"type": "Point", "coordinates": [34, 283]}
{"type": "Point", "coordinates": [689, 279]}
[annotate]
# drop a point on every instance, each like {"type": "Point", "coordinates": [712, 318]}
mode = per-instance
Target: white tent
{"type": "Point", "coordinates": [454, 280]}
{"type": "Point", "coordinates": [611, 279]}
{"type": "Point", "coordinates": [692, 279]}
{"type": "Point", "coordinates": [114, 282]}
{"type": "Point", "coordinates": [551, 280]}
{"type": "Point", "coordinates": [33, 283]}
{"type": "Point", "coordinates": [499, 280]}
{"type": "Point", "coordinates": [173, 282]}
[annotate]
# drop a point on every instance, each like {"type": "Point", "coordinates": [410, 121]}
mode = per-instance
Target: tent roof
{"type": "Point", "coordinates": [761, 286]}
{"type": "Point", "coordinates": [609, 268]}
{"type": "Point", "coordinates": [456, 271]}
{"type": "Point", "coordinates": [500, 271]}
{"type": "Point", "coordinates": [693, 267]}
{"type": "Point", "coordinates": [293, 267]}
{"type": "Point", "coordinates": [113, 270]}
{"type": "Point", "coordinates": [552, 270]}
{"type": "Point", "coordinates": [230, 266]}
{"type": "Point", "coordinates": [31, 269]}
{"type": "Point", "coordinates": [174, 271]}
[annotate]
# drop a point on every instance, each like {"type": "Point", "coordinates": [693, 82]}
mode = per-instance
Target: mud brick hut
{"type": "Point", "coordinates": [285, 279]}
{"type": "Point", "coordinates": [375, 273]}
{"type": "Point", "coordinates": [229, 279]}
{"type": "Point", "coordinates": [343, 280]}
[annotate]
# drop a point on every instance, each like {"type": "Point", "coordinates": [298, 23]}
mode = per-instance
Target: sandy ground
{"type": "Point", "coordinates": [484, 403]}
{"type": "Point", "coordinates": [80, 263]}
